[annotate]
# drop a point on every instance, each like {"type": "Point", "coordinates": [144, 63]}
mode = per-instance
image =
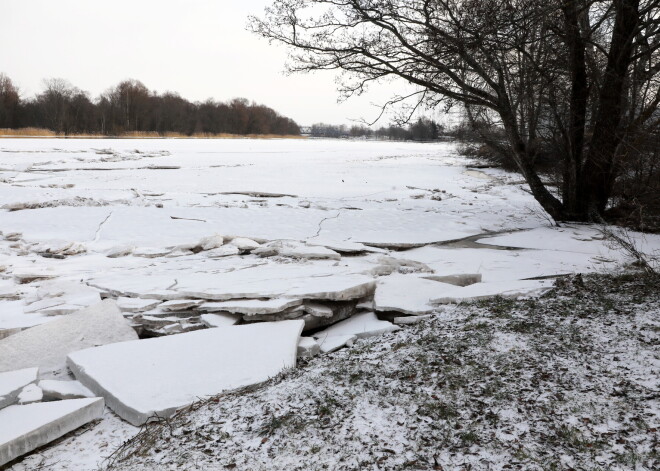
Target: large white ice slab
{"type": "Point", "coordinates": [362, 325]}
{"type": "Point", "coordinates": [578, 239]}
{"type": "Point", "coordinates": [334, 288]}
{"type": "Point", "coordinates": [12, 382]}
{"type": "Point", "coordinates": [409, 294]}
{"type": "Point", "coordinates": [157, 376]}
{"type": "Point", "coordinates": [500, 265]}
{"type": "Point", "coordinates": [330, 343]}
{"type": "Point", "coordinates": [58, 298]}
{"type": "Point", "coordinates": [47, 345]}
{"type": "Point", "coordinates": [278, 281]}
{"type": "Point", "coordinates": [45, 225]}
{"type": "Point", "coordinates": [505, 289]}
{"type": "Point", "coordinates": [251, 307]}
{"type": "Point", "coordinates": [400, 229]}
{"type": "Point", "coordinates": [342, 246]}
{"type": "Point", "coordinates": [239, 278]}
{"type": "Point", "coordinates": [180, 304]}
{"type": "Point", "coordinates": [25, 428]}
{"type": "Point", "coordinates": [293, 249]}
{"type": "Point", "coordinates": [13, 319]}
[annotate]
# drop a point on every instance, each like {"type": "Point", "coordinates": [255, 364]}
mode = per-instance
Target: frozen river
{"type": "Point", "coordinates": [185, 234]}
{"type": "Point", "coordinates": [124, 216]}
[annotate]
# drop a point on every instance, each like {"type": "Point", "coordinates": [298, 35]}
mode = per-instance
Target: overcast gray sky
{"type": "Point", "coordinates": [198, 48]}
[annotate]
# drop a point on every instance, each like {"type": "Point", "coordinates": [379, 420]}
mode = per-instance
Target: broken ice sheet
{"type": "Point", "coordinates": [578, 239]}
{"type": "Point", "coordinates": [30, 394]}
{"type": "Point", "coordinates": [362, 325]}
{"type": "Point", "coordinates": [13, 319]}
{"type": "Point", "coordinates": [331, 343]}
{"type": "Point", "coordinates": [388, 194]}
{"type": "Point", "coordinates": [409, 294]}
{"type": "Point", "coordinates": [251, 307]}
{"type": "Point", "coordinates": [142, 378]}
{"type": "Point", "coordinates": [505, 289]}
{"type": "Point", "coordinates": [58, 390]}
{"type": "Point", "coordinates": [293, 249]}
{"type": "Point", "coordinates": [317, 280]}
{"type": "Point", "coordinates": [136, 304]}
{"type": "Point", "coordinates": [47, 345]}
{"type": "Point", "coordinates": [13, 382]}
{"type": "Point", "coordinates": [219, 319]}
{"type": "Point", "coordinates": [500, 265]}
{"type": "Point", "coordinates": [27, 427]}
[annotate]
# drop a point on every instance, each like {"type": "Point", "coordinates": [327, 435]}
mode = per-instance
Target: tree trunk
{"type": "Point", "coordinates": [524, 161]}
{"type": "Point", "coordinates": [571, 188]}
{"type": "Point", "coordinates": [599, 169]}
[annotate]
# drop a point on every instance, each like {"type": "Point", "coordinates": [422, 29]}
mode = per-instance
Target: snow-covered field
{"type": "Point", "coordinates": [186, 234]}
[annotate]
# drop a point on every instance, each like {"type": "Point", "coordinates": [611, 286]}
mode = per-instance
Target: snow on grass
{"type": "Point", "coordinates": [567, 381]}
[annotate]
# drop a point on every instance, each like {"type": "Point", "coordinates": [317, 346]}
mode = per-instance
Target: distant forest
{"type": "Point", "coordinates": [130, 107]}
{"type": "Point", "coordinates": [424, 129]}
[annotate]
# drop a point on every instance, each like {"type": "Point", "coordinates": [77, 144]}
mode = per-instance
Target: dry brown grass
{"type": "Point", "coordinates": [200, 135]}
{"type": "Point", "coordinates": [27, 132]}
{"type": "Point", "coordinates": [38, 132]}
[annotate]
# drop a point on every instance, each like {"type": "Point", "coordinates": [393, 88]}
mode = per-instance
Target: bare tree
{"type": "Point", "coordinates": [577, 75]}
{"type": "Point", "coordinates": [54, 103]}
{"type": "Point", "coordinates": [9, 100]}
{"type": "Point", "coordinates": [128, 104]}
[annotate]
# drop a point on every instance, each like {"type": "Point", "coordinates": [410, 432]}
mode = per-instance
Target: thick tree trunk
{"type": "Point", "coordinates": [540, 192]}
{"type": "Point", "coordinates": [572, 190]}
{"type": "Point", "coordinates": [524, 161]}
{"type": "Point", "coordinates": [599, 169]}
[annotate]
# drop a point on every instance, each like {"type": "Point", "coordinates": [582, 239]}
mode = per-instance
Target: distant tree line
{"type": "Point", "coordinates": [132, 107]}
{"type": "Point", "coordinates": [423, 129]}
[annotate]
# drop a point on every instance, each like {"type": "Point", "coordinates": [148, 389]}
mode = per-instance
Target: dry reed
{"type": "Point", "coordinates": [39, 132]}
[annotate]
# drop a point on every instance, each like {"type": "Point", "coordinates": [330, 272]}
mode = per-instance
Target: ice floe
{"type": "Point", "coordinates": [136, 304]}
{"type": "Point", "coordinates": [144, 378]}
{"type": "Point", "coordinates": [362, 325]}
{"type": "Point", "coordinates": [27, 427]}
{"type": "Point", "coordinates": [219, 319]}
{"type": "Point", "coordinates": [47, 345]}
{"type": "Point", "coordinates": [331, 343]}
{"type": "Point", "coordinates": [408, 294]}
{"type": "Point", "coordinates": [505, 289]}
{"type": "Point", "coordinates": [30, 394]}
{"type": "Point", "coordinates": [57, 390]}
{"type": "Point", "coordinates": [251, 307]}
{"type": "Point", "coordinates": [13, 382]}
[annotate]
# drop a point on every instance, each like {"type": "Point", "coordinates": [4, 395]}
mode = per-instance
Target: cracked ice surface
{"type": "Point", "coordinates": [130, 218]}
{"type": "Point", "coordinates": [183, 232]}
